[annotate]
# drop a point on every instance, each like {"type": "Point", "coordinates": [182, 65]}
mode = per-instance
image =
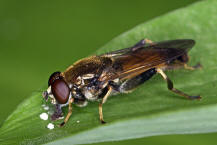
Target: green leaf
{"type": "Point", "coordinates": [151, 109]}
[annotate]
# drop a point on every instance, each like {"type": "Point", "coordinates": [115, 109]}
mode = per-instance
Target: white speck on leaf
{"type": "Point", "coordinates": [46, 108]}
{"type": "Point", "coordinates": [50, 126]}
{"type": "Point", "coordinates": [44, 116]}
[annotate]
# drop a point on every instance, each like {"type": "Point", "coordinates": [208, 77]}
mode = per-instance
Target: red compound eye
{"type": "Point", "coordinates": [60, 90]}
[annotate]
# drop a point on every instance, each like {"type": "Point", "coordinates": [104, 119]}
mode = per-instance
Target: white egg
{"type": "Point", "coordinates": [44, 116]}
{"type": "Point", "coordinates": [46, 108]}
{"type": "Point", "coordinates": [50, 126]}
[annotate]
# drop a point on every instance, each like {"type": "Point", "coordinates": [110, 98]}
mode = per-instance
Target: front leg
{"type": "Point", "coordinates": [69, 112]}
{"type": "Point", "coordinates": [102, 102]}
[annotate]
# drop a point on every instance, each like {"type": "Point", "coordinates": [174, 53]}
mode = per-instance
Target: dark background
{"type": "Point", "coordinates": [40, 37]}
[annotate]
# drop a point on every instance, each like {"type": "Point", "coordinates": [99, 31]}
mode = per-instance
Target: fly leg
{"type": "Point", "coordinates": [171, 88]}
{"type": "Point", "coordinates": [148, 41]}
{"type": "Point", "coordinates": [69, 112]}
{"type": "Point", "coordinates": [197, 66]}
{"type": "Point", "coordinates": [102, 102]}
{"type": "Point", "coordinates": [141, 43]}
{"type": "Point", "coordinates": [178, 65]}
{"type": "Point", "coordinates": [181, 62]}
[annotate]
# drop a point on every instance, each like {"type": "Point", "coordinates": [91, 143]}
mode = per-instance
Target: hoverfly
{"type": "Point", "coordinates": [95, 78]}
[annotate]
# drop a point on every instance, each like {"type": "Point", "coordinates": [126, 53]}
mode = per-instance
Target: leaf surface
{"type": "Point", "coordinates": [151, 109]}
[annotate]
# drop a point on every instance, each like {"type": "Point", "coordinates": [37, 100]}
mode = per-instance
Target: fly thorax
{"type": "Point", "coordinates": [90, 93]}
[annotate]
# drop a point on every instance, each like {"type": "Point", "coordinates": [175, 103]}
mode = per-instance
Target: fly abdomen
{"type": "Point", "coordinates": [136, 81]}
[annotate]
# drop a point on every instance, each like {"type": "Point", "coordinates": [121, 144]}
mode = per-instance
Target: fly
{"type": "Point", "coordinates": [95, 78]}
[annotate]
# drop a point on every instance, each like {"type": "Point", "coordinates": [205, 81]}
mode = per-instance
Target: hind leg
{"type": "Point", "coordinates": [171, 88]}
{"type": "Point", "coordinates": [184, 59]}
{"type": "Point", "coordinates": [181, 62]}
{"type": "Point", "coordinates": [197, 66]}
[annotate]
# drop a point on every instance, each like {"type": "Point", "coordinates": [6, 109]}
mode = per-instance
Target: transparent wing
{"type": "Point", "coordinates": [130, 62]}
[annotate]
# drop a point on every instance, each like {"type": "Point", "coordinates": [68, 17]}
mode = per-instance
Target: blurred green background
{"type": "Point", "coordinates": [40, 37]}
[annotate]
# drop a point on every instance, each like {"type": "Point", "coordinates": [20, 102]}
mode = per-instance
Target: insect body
{"type": "Point", "coordinates": [97, 77]}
